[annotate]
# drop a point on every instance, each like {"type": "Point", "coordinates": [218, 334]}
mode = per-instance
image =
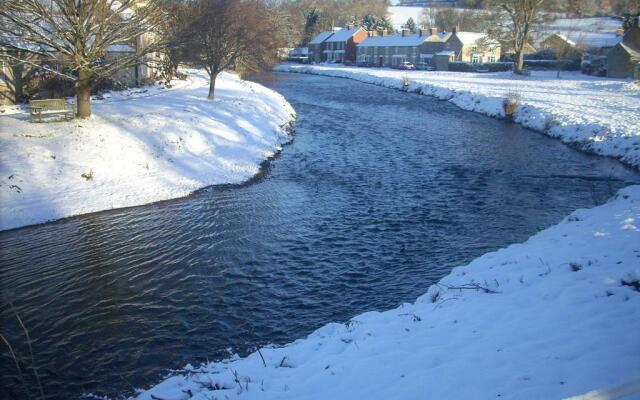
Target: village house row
{"type": "Point", "coordinates": [380, 49]}
{"type": "Point", "coordinates": [428, 47]}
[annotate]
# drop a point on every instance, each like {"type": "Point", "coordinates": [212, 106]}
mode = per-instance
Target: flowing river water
{"type": "Point", "coordinates": [379, 195]}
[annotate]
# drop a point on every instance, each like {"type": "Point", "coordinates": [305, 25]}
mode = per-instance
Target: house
{"type": "Point", "coordinates": [384, 50]}
{"type": "Point", "coordinates": [341, 46]}
{"type": "Point", "coordinates": [149, 66]}
{"type": "Point", "coordinates": [594, 36]}
{"type": "Point", "coordinates": [7, 92]}
{"type": "Point", "coordinates": [507, 48]}
{"type": "Point", "coordinates": [562, 47]}
{"type": "Point", "coordinates": [623, 60]}
{"type": "Point", "coordinates": [473, 47]}
{"type": "Point", "coordinates": [15, 76]}
{"type": "Point", "coordinates": [317, 46]}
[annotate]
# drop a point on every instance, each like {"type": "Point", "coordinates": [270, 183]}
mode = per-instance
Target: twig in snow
{"type": "Point", "coordinates": [261, 356]}
{"type": "Point", "coordinates": [472, 286]}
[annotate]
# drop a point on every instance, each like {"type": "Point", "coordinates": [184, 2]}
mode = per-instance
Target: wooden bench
{"type": "Point", "coordinates": [38, 108]}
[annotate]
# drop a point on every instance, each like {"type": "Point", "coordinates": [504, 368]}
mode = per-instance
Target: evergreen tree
{"type": "Point", "coordinates": [375, 23]}
{"type": "Point", "coordinates": [411, 25]}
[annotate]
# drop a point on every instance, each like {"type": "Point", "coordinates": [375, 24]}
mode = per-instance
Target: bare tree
{"type": "Point", "coordinates": [523, 15]}
{"type": "Point", "coordinates": [224, 34]}
{"type": "Point", "coordinates": [71, 38]}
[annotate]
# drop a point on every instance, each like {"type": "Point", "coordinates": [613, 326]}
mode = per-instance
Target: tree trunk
{"type": "Point", "coordinates": [519, 67]}
{"type": "Point", "coordinates": [83, 99]}
{"type": "Point", "coordinates": [83, 95]}
{"type": "Point", "coordinates": [212, 86]}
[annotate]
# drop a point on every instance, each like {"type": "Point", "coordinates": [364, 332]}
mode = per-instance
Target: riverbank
{"type": "Point", "coordinates": [139, 147]}
{"type": "Point", "coordinates": [596, 115]}
{"type": "Point", "coordinates": [550, 318]}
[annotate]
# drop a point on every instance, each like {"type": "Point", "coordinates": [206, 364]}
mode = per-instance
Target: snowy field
{"type": "Point", "coordinates": [140, 146]}
{"type": "Point", "coordinates": [586, 33]}
{"type": "Point", "coordinates": [554, 317]}
{"type": "Point", "coordinates": [598, 115]}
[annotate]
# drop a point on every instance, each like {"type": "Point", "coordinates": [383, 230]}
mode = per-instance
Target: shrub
{"type": "Point", "coordinates": [564, 65]}
{"type": "Point", "coordinates": [510, 105]}
{"type": "Point", "coordinates": [459, 66]}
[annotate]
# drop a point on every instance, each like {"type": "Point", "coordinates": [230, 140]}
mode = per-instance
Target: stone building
{"type": "Point", "coordinates": [473, 47]}
{"type": "Point", "coordinates": [623, 60]}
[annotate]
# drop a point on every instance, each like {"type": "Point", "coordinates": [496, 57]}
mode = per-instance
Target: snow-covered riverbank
{"type": "Point", "coordinates": [554, 317]}
{"type": "Point", "coordinates": [139, 147]}
{"type": "Point", "coordinates": [598, 115]}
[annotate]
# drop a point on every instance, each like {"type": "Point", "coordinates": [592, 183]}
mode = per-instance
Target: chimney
{"type": "Point", "coordinates": [384, 32]}
{"type": "Point", "coordinates": [422, 31]}
{"type": "Point", "coordinates": [349, 26]}
{"type": "Point", "coordinates": [405, 32]}
{"type": "Point", "coordinates": [372, 33]}
{"type": "Point", "coordinates": [434, 31]}
{"type": "Point", "coordinates": [455, 29]}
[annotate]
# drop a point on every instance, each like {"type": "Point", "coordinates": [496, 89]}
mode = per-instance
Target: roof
{"type": "Point", "coordinates": [470, 37]}
{"type": "Point", "coordinates": [446, 53]}
{"type": "Point", "coordinates": [321, 37]}
{"type": "Point", "coordinates": [562, 37]}
{"type": "Point", "coordinates": [393, 40]}
{"type": "Point", "coordinates": [343, 34]}
{"type": "Point", "coordinates": [586, 33]}
{"type": "Point", "coordinates": [634, 53]}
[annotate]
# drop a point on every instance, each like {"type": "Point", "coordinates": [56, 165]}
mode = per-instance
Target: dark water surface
{"type": "Point", "coordinates": [380, 194]}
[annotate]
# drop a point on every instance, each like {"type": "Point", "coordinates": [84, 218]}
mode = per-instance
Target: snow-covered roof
{"type": "Point", "coordinates": [632, 52]}
{"type": "Point", "coordinates": [584, 32]}
{"type": "Point", "coordinates": [321, 37]}
{"type": "Point", "coordinates": [393, 40]}
{"type": "Point", "coordinates": [343, 34]}
{"type": "Point", "coordinates": [446, 53]}
{"type": "Point", "coordinates": [563, 37]}
{"type": "Point", "coordinates": [469, 37]}
{"type": "Point", "coordinates": [440, 37]}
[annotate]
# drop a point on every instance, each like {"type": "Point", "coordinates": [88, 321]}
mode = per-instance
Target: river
{"type": "Point", "coordinates": [379, 195]}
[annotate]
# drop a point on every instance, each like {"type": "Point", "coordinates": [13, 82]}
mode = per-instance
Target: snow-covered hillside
{"type": "Point", "coordinates": [585, 32]}
{"type": "Point", "coordinates": [554, 317]}
{"type": "Point", "coordinates": [598, 115]}
{"type": "Point", "coordinates": [139, 147]}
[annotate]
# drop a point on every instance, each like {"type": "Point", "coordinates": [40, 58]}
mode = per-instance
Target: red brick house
{"type": "Point", "coordinates": [341, 46]}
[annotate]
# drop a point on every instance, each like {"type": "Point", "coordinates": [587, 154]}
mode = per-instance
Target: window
{"type": "Point", "coordinates": [492, 58]}
{"type": "Point", "coordinates": [476, 59]}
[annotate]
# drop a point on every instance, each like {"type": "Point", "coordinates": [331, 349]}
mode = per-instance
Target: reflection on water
{"type": "Point", "coordinates": [379, 196]}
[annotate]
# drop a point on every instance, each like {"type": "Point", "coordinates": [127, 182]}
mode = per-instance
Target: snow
{"type": "Point", "coordinates": [394, 41]}
{"type": "Point", "coordinates": [470, 37]}
{"type": "Point", "coordinates": [598, 115]}
{"type": "Point", "coordinates": [321, 37]}
{"type": "Point", "coordinates": [585, 32]}
{"type": "Point", "coordinates": [554, 317]}
{"type": "Point", "coordinates": [141, 146]}
{"type": "Point", "coordinates": [343, 35]}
